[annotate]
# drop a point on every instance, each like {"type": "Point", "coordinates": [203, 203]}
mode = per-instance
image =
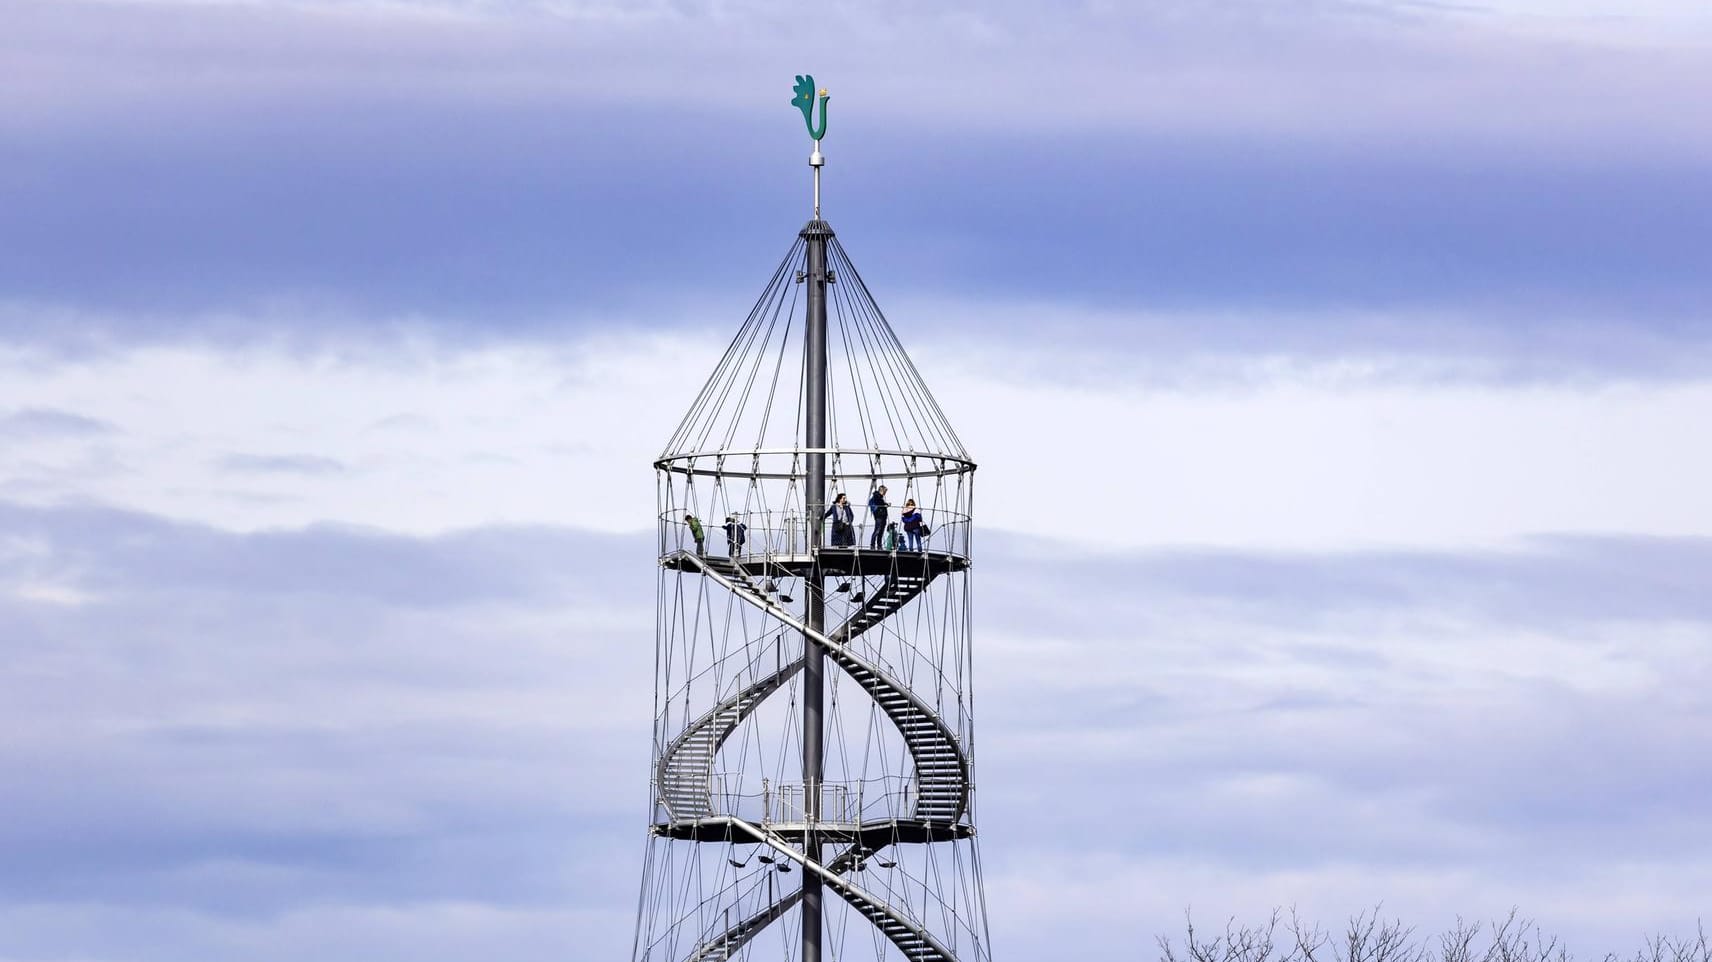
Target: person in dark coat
{"type": "Point", "coordinates": [843, 522]}
{"type": "Point", "coordinates": [877, 507]}
{"type": "Point", "coordinates": [912, 525]}
{"type": "Point", "coordinates": [736, 532]}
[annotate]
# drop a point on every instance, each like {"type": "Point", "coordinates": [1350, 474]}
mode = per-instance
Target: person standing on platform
{"type": "Point", "coordinates": [698, 534]}
{"type": "Point", "coordinates": [912, 525]}
{"type": "Point", "coordinates": [736, 532]}
{"type": "Point", "coordinates": [877, 507]}
{"type": "Point", "coordinates": [843, 522]}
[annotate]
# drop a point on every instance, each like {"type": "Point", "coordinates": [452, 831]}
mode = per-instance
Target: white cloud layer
{"type": "Point", "coordinates": [420, 439]}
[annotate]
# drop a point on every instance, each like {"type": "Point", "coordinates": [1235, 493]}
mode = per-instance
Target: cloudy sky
{"type": "Point", "coordinates": [1339, 371]}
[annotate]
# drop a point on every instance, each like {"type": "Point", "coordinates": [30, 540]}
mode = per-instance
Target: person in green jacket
{"type": "Point", "coordinates": [697, 533]}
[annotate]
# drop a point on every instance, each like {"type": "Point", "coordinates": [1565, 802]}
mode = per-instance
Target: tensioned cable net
{"type": "Point", "coordinates": [813, 772]}
{"type": "Point", "coordinates": [878, 407]}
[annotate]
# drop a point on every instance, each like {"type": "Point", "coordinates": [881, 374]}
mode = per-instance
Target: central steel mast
{"type": "Point", "coordinates": [814, 663]}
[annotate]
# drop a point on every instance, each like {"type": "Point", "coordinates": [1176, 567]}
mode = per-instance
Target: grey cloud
{"type": "Point", "coordinates": [31, 424]}
{"type": "Point", "coordinates": [1517, 714]}
{"type": "Point", "coordinates": [490, 457]}
{"type": "Point", "coordinates": [403, 421]}
{"type": "Point", "coordinates": [1247, 345]}
{"type": "Point", "coordinates": [1264, 184]}
{"type": "Point", "coordinates": [1550, 581]}
{"type": "Point", "coordinates": [1173, 64]}
{"type": "Point", "coordinates": [111, 551]}
{"type": "Point", "coordinates": [235, 730]}
{"type": "Point", "coordinates": [297, 464]}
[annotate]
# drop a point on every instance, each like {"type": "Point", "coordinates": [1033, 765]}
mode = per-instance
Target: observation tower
{"type": "Point", "coordinates": [813, 772]}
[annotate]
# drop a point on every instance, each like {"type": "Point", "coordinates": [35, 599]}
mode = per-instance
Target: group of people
{"type": "Point", "coordinates": [736, 533]}
{"type": "Point", "coordinates": [886, 536]}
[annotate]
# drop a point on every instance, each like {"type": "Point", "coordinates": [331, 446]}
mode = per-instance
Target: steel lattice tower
{"type": "Point", "coordinates": [813, 740]}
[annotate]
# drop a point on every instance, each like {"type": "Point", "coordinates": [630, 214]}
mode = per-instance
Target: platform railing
{"type": "Point", "coordinates": [847, 803]}
{"type": "Point", "coordinates": [768, 534]}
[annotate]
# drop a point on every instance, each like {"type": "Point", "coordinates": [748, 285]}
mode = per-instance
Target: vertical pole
{"type": "Point", "coordinates": [814, 497]}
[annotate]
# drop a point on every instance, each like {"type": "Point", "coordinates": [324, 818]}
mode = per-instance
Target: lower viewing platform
{"type": "Point", "coordinates": [901, 831]}
{"type": "Point", "coordinates": [702, 808]}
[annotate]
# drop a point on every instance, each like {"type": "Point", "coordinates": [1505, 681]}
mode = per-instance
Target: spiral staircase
{"type": "Point", "coordinates": [941, 768]}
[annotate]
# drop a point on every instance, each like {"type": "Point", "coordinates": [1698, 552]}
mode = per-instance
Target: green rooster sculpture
{"type": "Point", "coordinates": [804, 101]}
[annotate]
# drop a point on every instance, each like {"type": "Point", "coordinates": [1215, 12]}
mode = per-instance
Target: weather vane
{"type": "Point", "coordinates": [804, 101]}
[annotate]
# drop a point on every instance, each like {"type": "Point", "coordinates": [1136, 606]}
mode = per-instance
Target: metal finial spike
{"type": "Point", "coordinates": [816, 161]}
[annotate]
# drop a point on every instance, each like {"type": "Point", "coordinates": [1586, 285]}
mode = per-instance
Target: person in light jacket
{"type": "Point", "coordinates": [843, 522]}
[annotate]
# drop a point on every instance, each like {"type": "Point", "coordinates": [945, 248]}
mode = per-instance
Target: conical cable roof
{"type": "Point", "coordinates": [749, 416]}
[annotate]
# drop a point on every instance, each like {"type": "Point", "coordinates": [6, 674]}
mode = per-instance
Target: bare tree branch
{"type": "Point", "coordinates": [1369, 937]}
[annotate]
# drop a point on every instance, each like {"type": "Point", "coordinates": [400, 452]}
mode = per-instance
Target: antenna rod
{"type": "Point", "coordinates": [817, 160]}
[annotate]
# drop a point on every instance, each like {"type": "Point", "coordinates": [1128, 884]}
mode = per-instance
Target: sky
{"type": "Point", "coordinates": [1339, 374]}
